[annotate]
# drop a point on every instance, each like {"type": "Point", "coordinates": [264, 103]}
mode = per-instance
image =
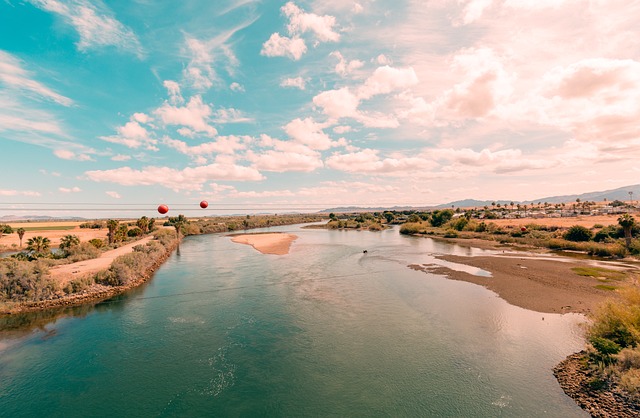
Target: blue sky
{"type": "Point", "coordinates": [257, 103]}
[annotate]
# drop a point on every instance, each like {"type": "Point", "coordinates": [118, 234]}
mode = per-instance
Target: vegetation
{"type": "Point", "coordinates": [38, 245]}
{"type": "Point", "coordinates": [20, 232]}
{"type": "Point", "coordinates": [5, 229]}
{"type": "Point", "coordinates": [627, 222]}
{"type": "Point", "coordinates": [578, 233]}
{"type": "Point", "coordinates": [614, 337]}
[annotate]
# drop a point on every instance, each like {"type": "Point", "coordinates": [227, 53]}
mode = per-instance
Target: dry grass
{"type": "Point", "coordinates": [586, 221]}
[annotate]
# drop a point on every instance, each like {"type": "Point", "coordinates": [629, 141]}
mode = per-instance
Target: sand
{"type": "Point", "coordinates": [267, 243]}
{"type": "Point", "coordinates": [67, 272]}
{"type": "Point", "coordinates": [534, 282]}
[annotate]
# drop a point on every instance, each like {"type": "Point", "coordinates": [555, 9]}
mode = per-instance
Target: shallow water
{"type": "Point", "coordinates": [327, 330]}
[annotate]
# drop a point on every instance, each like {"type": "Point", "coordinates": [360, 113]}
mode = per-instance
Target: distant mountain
{"type": "Point", "coordinates": [35, 218]}
{"type": "Point", "coordinates": [621, 193]}
{"type": "Point", "coordinates": [355, 209]}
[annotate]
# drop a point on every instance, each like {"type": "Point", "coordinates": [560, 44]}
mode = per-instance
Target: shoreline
{"type": "Point", "coordinates": [275, 243]}
{"type": "Point", "coordinates": [576, 382]}
{"type": "Point", "coordinates": [95, 294]}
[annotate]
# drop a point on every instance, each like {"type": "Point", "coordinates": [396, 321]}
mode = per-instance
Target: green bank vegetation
{"type": "Point", "coordinates": [614, 345]}
{"type": "Point", "coordinates": [24, 276]}
{"type": "Point", "coordinates": [612, 241]}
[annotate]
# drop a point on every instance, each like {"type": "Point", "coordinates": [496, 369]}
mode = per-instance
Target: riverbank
{"type": "Point", "coordinates": [94, 292]}
{"type": "Point", "coordinates": [580, 383]}
{"type": "Point", "coordinates": [276, 243]}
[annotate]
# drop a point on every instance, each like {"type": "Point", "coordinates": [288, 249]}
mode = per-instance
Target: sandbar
{"type": "Point", "coordinates": [277, 243]}
{"type": "Point", "coordinates": [532, 282]}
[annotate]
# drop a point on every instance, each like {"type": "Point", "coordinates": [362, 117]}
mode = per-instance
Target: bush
{"type": "Point", "coordinates": [578, 233]}
{"type": "Point", "coordinates": [25, 280]}
{"type": "Point", "coordinates": [411, 228]}
{"type": "Point", "coordinates": [134, 232]}
{"type": "Point", "coordinates": [440, 217]}
{"type": "Point", "coordinates": [96, 242]}
{"type": "Point", "coordinates": [82, 251]}
{"type": "Point", "coordinates": [451, 234]}
{"type": "Point", "coordinates": [459, 224]}
{"type": "Point", "coordinates": [628, 358]}
{"type": "Point", "coordinates": [481, 227]}
{"type": "Point", "coordinates": [630, 381]}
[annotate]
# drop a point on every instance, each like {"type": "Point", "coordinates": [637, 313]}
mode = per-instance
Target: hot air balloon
{"type": "Point", "coordinates": [162, 209]}
{"type": "Point", "coordinates": [204, 204]}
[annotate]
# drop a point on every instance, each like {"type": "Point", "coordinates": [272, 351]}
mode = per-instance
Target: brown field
{"type": "Point", "coordinates": [11, 242]}
{"type": "Point", "coordinates": [586, 221]}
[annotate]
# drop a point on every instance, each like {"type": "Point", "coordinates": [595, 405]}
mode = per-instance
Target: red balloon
{"type": "Point", "coordinates": [204, 204]}
{"type": "Point", "coordinates": [523, 229]}
{"type": "Point", "coordinates": [163, 209]}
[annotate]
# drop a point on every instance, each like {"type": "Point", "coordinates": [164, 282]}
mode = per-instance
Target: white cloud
{"type": "Point", "coordinates": [69, 190]}
{"type": "Point", "coordinates": [13, 75]}
{"type": "Point", "coordinates": [133, 135]}
{"type": "Point", "coordinates": [383, 60]}
{"type": "Point", "coordinates": [338, 104]}
{"type": "Point", "coordinates": [195, 115]}
{"type": "Point", "coordinates": [223, 145]}
{"type": "Point", "coordinates": [94, 23]}
{"type": "Point", "coordinates": [237, 87]}
{"type": "Point", "coordinates": [344, 67]}
{"type": "Point", "coordinates": [121, 157]}
{"type": "Point", "coordinates": [297, 82]}
{"type": "Point", "coordinates": [66, 154]}
{"type": "Point", "coordinates": [387, 79]}
{"type": "Point", "coordinates": [285, 161]}
{"type": "Point", "coordinates": [231, 115]}
{"type": "Point", "coordinates": [28, 193]}
{"type": "Point", "coordinates": [281, 46]}
{"type": "Point", "coordinates": [300, 22]}
{"type": "Point", "coordinates": [308, 132]}
{"type": "Point", "coordinates": [115, 195]}
{"type": "Point", "coordinates": [367, 161]}
{"type": "Point", "coordinates": [173, 90]}
{"type": "Point", "coordinates": [187, 179]}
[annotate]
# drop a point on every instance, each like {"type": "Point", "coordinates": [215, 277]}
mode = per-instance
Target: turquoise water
{"type": "Point", "coordinates": [326, 330]}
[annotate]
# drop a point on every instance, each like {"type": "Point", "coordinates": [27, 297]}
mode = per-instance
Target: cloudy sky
{"type": "Point", "coordinates": [328, 102]}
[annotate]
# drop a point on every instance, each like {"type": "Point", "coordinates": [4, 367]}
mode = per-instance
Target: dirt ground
{"type": "Point", "coordinates": [586, 221]}
{"type": "Point", "coordinates": [11, 242]}
{"type": "Point", "coordinates": [67, 272]}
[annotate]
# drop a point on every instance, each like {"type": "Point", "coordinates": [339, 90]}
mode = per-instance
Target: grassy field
{"type": "Point", "coordinates": [47, 228]}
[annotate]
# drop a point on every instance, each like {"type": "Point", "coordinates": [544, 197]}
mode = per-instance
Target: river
{"type": "Point", "coordinates": [326, 330]}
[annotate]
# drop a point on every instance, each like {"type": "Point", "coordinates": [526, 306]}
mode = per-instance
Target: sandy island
{"type": "Point", "coordinates": [277, 243]}
{"type": "Point", "coordinates": [533, 281]}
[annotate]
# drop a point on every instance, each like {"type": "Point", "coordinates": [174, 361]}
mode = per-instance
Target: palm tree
{"type": "Point", "coordinates": [112, 225]}
{"type": "Point", "coordinates": [69, 241]}
{"type": "Point", "coordinates": [20, 233]}
{"type": "Point", "coordinates": [178, 222]}
{"type": "Point", "coordinates": [38, 244]}
{"type": "Point", "coordinates": [143, 224]}
{"type": "Point", "coordinates": [627, 222]}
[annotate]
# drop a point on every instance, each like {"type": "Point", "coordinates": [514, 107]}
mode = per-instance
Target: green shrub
{"type": "Point", "coordinates": [96, 242]}
{"type": "Point", "coordinates": [440, 217]}
{"type": "Point", "coordinates": [134, 232]}
{"type": "Point", "coordinates": [411, 228]}
{"type": "Point", "coordinates": [82, 251]}
{"type": "Point", "coordinates": [451, 234]}
{"type": "Point", "coordinates": [578, 233]}
{"type": "Point", "coordinates": [459, 224]}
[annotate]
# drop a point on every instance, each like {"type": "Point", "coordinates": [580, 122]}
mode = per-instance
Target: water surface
{"type": "Point", "coordinates": [326, 330]}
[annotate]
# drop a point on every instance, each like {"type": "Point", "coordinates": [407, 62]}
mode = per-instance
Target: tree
{"type": "Point", "coordinates": [38, 244]}
{"type": "Point", "coordinates": [440, 217]}
{"type": "Point", "coordinates": [627, 222]}
{"type": "Point", "coordinates": [20, 232]}
{"type": "Point", "coordinates": [112, 225]}
{"type": "Point", "coordinates": [69, 241]}
{"type": "Point", "coordinates": [121, 233]}
{"type": "Point", "coordinates": [332, 216]}
{"type": "Point", "coordinates": [5, 229]}
{"type": "Point", "coordinates": [180, 221]}
{"type": "Point", "coordinates": [143, 224]}
{"type": "Point", "coordinates": [389, 216]}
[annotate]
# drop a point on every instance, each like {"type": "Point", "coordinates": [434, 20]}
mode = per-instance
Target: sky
{"type": "Point", "coordinates": [254, 105]}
